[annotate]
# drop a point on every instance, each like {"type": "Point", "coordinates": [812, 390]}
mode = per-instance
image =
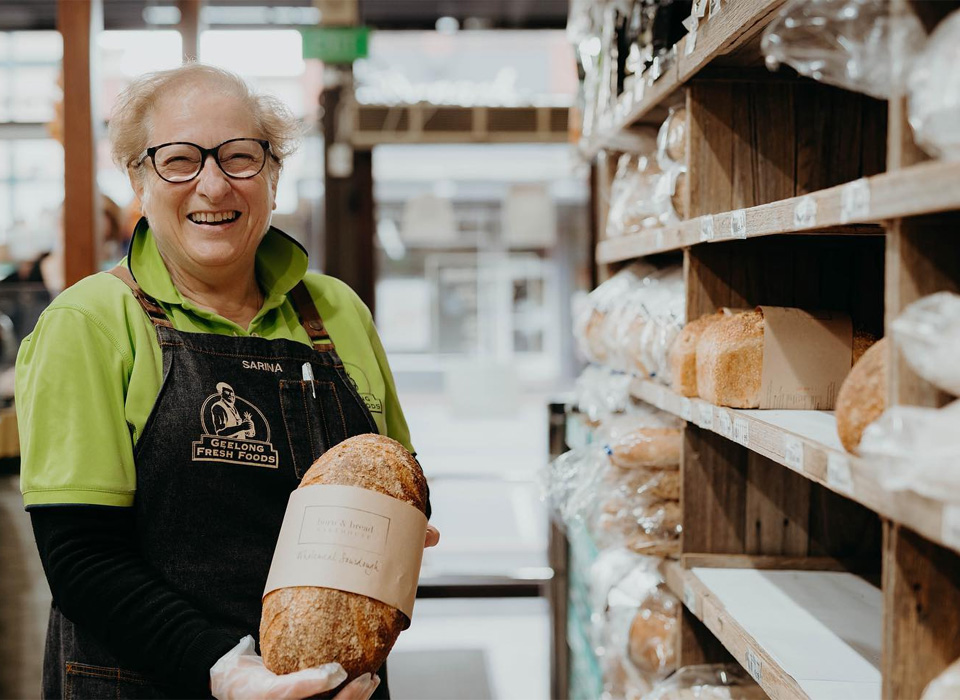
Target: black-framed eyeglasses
{"type": "Point", "coordinates": [181, 161]}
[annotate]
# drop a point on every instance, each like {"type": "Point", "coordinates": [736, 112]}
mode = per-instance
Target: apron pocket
{"type": "Point", "coordinates": [313, 425]}
{"type": "Point", "coordinates": [85, 681]}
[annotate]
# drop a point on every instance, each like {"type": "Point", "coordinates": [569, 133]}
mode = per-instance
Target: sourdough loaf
{"type": "Point", "coordinates": [676, 136]}
{"type": "Point", "coordinates": [683, 355]}
{"type": "Point", "coordinates": [303, 627]}
{"type": "Point", "coordinates": [863, 396]}
{"type": "Point", "coordinates": [729, 359]}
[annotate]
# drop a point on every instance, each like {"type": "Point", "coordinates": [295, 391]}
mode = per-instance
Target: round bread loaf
{"type": "Point", "coordinates": [676, 144]}
{"type": "Point", "coordinates": [679, 196]}
{"type": "Point", "coordinates": [648, 447]}
{"type": "Point", "coordinates": [863, 395]}
{"type": "Point", "coordinates": [304, 627]}
{"type": "Point", "coordinates": [653, 635]}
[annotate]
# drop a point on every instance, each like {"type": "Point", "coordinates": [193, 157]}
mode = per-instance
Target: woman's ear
{"type": "Point", "coordinates": [136, 181]}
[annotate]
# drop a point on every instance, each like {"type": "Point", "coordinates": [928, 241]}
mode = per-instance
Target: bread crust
{"type": "Point", "coordinates": [304, 627]}
{"type": "Point", "coordinates": [863, 396]}
{"type": "Point", "coordinates": [683, 355]}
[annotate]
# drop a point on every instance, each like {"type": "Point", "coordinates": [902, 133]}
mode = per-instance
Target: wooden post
{"type": "Point", "coordinates": [79, 22]}
{"type": "Point", "coordinates": [349, 252]}
{"type": "Point", "coordinates": [190, 28]}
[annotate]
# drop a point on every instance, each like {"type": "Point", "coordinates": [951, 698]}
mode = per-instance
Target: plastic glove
{"type": "Point", "coordinates": [241, 675]}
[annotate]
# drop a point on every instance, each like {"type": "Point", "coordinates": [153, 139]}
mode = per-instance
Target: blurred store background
{"type": "Point", "coordinates": [477, 235]}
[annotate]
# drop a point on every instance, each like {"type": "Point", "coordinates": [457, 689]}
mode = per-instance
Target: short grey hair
{"type": "Point", "coordinates": [130, 119]}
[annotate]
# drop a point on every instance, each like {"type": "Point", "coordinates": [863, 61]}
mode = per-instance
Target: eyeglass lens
{"type": "Point", "coordinates": [179, 162]}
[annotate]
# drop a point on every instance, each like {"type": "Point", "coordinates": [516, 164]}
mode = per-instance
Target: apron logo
{"type": "Point", "coordinates": [234, 431]}
{"type": "Point", "coordinates": [362, 385]}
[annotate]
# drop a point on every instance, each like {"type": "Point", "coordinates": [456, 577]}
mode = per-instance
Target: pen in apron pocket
{"type": "Point", "coordinates": [307, 372]}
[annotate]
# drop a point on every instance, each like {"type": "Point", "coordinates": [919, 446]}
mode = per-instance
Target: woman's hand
{"type": "Point", "coordinates": [433, 537]}
{"type": "Point", "coordinates": [241, 675]}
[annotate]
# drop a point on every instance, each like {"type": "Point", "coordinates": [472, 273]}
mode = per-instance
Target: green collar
{"type": "Point", "coordinates": [281, 263]}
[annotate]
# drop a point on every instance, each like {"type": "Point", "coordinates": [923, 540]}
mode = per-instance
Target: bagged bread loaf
{"type": "Point", "coordinates": [653, 639]}
{"type": "Point", "coordinates": [729, 359]}
{"type": "Point", "coordinates": [863, 396]}
{"type": "Point", "coordinates": [683, 355]}
{"type": "Point", "coordinates": [303, 627]}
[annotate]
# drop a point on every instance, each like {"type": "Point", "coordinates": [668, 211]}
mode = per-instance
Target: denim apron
{"type": "Point", "coordinates": [233, 430]}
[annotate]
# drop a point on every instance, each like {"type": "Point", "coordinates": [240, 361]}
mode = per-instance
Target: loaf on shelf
{"type": "Point", "coordinates": [863, 396]}
{"type": "Point", "coordinates": [653, 634]}
{"type": "Point", "coordinates": [683, 355]}
{"type": "Point", "coordinates": [729, 359]}
{"type": "Point", "coordinates": [644, 438]}
{"type": "Point", "coordinates": [708, 682]}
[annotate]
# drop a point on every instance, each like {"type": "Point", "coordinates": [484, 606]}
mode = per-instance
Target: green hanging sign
{"type": "Point", "coordinates": [335, 44]}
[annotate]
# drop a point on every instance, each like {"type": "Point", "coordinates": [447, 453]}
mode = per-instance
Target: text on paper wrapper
{"type": "Point", "coordinates": [346, 527]}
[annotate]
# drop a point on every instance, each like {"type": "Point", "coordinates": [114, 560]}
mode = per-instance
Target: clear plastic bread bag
{"type": "Point", "coordinates": [641, 210]}
{"type": "Point", "coordinates": [928, 334]}
{"type": "Point", "coordinates": [918, 449]}
{"type": "Point", "coordinates": [563, 476]}
{"type": "Point", "coordinates": [624, 184]}
{"type": "Point", "coordinates": [666, 302]}
{"type": "Point", "coordinates": [590, 321]}
{"type": "Point", "coordinates": [946, 686]}
{"type": "Point", "coordinates": [708, 682]}
{"type": "Point", "coordinates": [934, 89]}
{"type": "Point", "coordinates": [858, 45]}
{"type": "Point", "coordinates": [651, 638]}
{"type": "Point", "coordinates": [643, 437]}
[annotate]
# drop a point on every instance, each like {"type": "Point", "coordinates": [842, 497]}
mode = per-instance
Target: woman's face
{"type": "Point", "coordinates": [176, 211]}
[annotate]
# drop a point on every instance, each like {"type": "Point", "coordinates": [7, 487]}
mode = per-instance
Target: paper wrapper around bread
{"type": "Point", "coordinates": [358, 516]}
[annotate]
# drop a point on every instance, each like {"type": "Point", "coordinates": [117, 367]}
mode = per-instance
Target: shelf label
{"type": "Point", "coordinates": [741, 432]}
{"type": "Point", "coordinates": [639, 87]}
{"type": "Point", "coordinates": [705, 416]}
{"type": "Point", "coordinates": [714, 8]}
{"type": "Point", "coordinates": [659, 239]}
{"type": "Point", "coordinates": [805, 213]}
{"type": "Point", "coordinates": [686, 409]}
{"type": "Point", "coordinates": [690, 598]}
{"type": "Point", "coordinates": [855, 201]}
{"type": "Point", "coordinates": [726, 424]}
{"type": "Point", "coordinates": [838, 473]}
{"type": "Point", "coordinates": [692, 24]}
{"type": "Point", "coordinates": [754, 666]}
{"type": "Point", "coordinates": [656, 70]}
{"type": "Point", "coordinates": [951, 526]}
{"type": "Point", "coordinates": [793, 452]}
{"type": "Point", "coordinates": [706, 228]}
{"type": "Point", "coordinates": [699, 8]}
{"type": "Point", "coordinates": [738, 224]}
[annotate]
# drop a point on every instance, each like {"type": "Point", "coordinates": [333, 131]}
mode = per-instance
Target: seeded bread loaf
{"type": "Point", "coordinates": [863, 396]}
{"type": "Point", "coordinates": [683, 355]}
{"type": "Point", "coordinates": [303, 627]}
{"type": "Point", "coordinates": [729, 359]}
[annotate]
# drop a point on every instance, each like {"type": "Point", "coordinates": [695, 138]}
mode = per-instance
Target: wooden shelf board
{"type": "Point", "coordinates": [735, 25]}
{"type": "Point", "coordinates": [925, 188]}
{"type": "Point", "coordinates": [800, 634]}
{"type": "Point", "coordinates": [806, 442]}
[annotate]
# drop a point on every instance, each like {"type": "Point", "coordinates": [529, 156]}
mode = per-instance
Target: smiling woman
{"type": "Point", "coordinates": [202, 377]}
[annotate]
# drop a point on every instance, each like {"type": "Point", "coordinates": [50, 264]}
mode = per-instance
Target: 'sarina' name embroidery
{"type": "Point", "coordinates": [263, 366]}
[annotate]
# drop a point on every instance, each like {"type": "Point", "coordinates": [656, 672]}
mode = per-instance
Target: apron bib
{"type": "Point", "coordinates": [232, 432]}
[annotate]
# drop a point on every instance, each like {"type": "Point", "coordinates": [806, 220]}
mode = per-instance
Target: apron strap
{"type": "Point", "coordinates": [309, 316]}
{"type": "Point", "coordinates": [156, 313]}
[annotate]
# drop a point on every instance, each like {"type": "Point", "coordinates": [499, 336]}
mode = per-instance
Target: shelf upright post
{"type": "Point", "coordinates": [79, 22]}
{"type": "Point", "coordinates": [921, 580]}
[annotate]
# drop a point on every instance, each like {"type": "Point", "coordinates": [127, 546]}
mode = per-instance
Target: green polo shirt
{"type": "Point", "coordinates": [88, 375]}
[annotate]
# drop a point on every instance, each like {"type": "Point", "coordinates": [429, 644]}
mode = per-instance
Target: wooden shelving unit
{"type": "Point", "coordinates": [799, 194]}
